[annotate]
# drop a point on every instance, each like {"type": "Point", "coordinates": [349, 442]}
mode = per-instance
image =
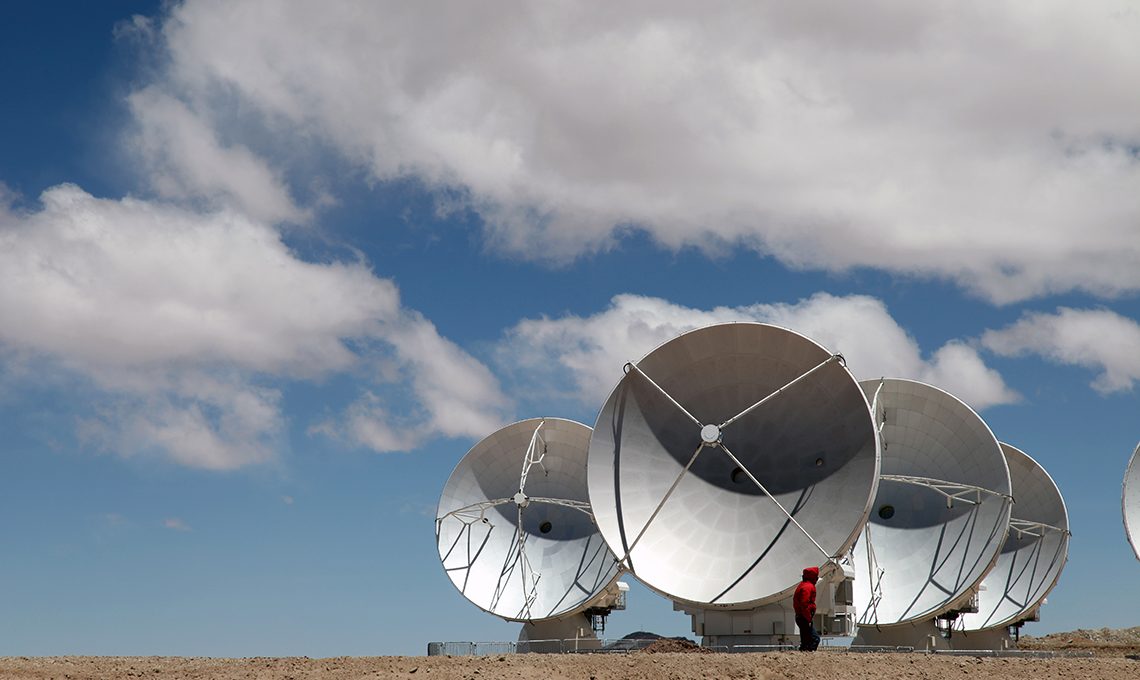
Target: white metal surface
{"type": "Point", "coordinates": [942, 511]}
{"type": "Point", "coordinates": [730, 458]}
{"type": "Point", "coordinates": [514, 529]}
{"type": "Point", "coordinates": [1130, 501]}
{"type": "Point", "coordinates": [1034, 552]}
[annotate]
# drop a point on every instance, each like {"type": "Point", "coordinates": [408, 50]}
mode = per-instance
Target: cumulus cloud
{"type": "Point", "coordinates": [190, 415]}
{"type": "Point", "coordinates": [1097, 339]}
{"type": "Point", "coordinates": [456, 390]}
{"type": "Point", "coordinates": [183, 158]}
{"type": "Point", "coordinates": [369, 422]}
{"type": "Point", "coordinates": [176, 524]}
{"type": "Point", "coordinates": [135, 283]}
{"type": "Point", "coordinates": [455, 394]}
{"type": "Point", "coordinates": [186, 325]}
{"type": "Point", "coordinates": [990, 143]}
{"type": "Point", "coordinates": [587, 353]}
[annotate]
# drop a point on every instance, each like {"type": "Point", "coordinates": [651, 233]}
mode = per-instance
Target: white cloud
{"type": "Point", "coordinates": [587, 354]}
{"type": "Point", "coordinates": [456, 394]}
{"type": "Point", "coordinates": [370, 423]}
{"type": "Point", "coordinates": [183, 159]}
{"type": "Point", "coordinates": [991, 143]}
{"type": "Point", "coordinates": [192, 415]}
{"type": "Point", "coordinates": [184, 325]}
{"type": "Point", "coordinates": [176, 524]}
{"type": "Point", "coordinates": [132, 283]}
{"type": "Point", "coordinates": [1098, 339]}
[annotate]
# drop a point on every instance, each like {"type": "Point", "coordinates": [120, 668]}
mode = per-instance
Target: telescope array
{"type": "Point", "coordinates": [731, 457]}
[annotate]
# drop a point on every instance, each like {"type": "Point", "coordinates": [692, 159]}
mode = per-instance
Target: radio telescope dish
{"type": "Point", "coordinates": [730, 458]}
{"type": "Point", "coordinates": [1034, 553]}
{"type": "Point", "coordinates": [942, 510]}
{"type": "Point", "coordinates": [1130, 501]}
{"type": "Point", "coordinates": [514, 528]}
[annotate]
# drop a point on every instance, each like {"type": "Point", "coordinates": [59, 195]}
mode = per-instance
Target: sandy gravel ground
{"type": "Point", "coordinates": [1116, 657]}
{"type": "Point", "coordinates": [819, 666]}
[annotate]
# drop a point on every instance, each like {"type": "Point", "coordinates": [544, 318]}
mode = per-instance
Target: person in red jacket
{"type": "Point", "coordinates": [804, 604]}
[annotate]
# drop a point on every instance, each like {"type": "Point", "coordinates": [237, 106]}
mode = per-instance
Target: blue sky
{"type": "Point", "coordinates": [268, 270]}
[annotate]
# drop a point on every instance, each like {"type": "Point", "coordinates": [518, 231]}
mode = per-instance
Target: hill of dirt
{"type": "Point", "coordinates": [1100, 641]}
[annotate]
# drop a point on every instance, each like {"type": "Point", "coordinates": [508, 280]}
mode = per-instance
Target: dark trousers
{"type": "Point", "coordinates": [809, 639]}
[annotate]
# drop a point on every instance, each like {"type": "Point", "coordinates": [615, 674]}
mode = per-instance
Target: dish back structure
{"type": "Point", "coordinates": [1130, 501]}
{"type": "Point", "coordinates": [514, 527]}
{"type": "Point", "coordinates": [728, 459]}
{"type": "Point", "coordinates": [1034, 552]}
{"type": "Point", "coordinates": [941, 514]}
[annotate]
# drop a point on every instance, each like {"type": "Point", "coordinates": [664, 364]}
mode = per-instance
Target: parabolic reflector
{"type": "Point", "coordinates": [514, 528]}
{"type": "Point", "coordinates": [942, 510]}
{"type": "Point", "coordinates": [1034, 552]}
{"type": "Point", "coordinates": [730, 458]}
{"type": "Point", "coordinates": [1130, 501]}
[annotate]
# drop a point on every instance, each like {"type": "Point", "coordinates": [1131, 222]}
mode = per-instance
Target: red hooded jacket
{"type": "Point", "coordinates": [804, 599]}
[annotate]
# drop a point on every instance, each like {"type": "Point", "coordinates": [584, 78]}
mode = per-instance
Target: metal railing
{"type": "Point", "coordinates": [572, 646]}
{"type": "Point", "coordinates": [623, 645]}
{"type": "Point", "coordinates": [591, 646]}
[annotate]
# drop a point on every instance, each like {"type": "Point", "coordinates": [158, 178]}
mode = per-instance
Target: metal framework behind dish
{"type": "Point", "coordinates": [729, 458]}
{"type": "Point", "coordinates": [1130, 501]}
{"type": "Point", "coordinates": [942, 511]}
{"type": "Point", "coordinates": [1034, 552]}
{"type": "Point", "coordinates": [514, 527]}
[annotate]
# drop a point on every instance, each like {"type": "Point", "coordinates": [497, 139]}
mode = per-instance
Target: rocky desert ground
{"type": "Point", "coordinates": [1077, 655]}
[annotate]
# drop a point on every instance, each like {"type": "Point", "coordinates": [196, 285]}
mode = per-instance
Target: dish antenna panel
{"type": "Point", "coordinates": [1130, 501]}
{"type": "Point", "coordinates": [514, 526]}
{"type": "Point", "coordinates": [730, 458]}
{"type": "Point", "coordinates": [942, 511]}
{"type": "Point", "coordinates": [1033, 555]}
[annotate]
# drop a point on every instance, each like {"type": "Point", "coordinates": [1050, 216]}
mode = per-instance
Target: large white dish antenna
{"type": "Point", "coordinates": [514, 528]}
{"type": "Point", "coordinates": [1034, 553]}
{"type": "Point", "coordinates": [942, 510]}
{"type": "Point", "coordinates": [1130, 501]}
{"type": "Point", "coordinates": [730, 458]}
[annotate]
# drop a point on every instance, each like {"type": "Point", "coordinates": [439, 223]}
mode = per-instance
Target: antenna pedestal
{"type": "Point", "coordinates": [775, 624]}
{"type": "Point", "coordinates": [936, 634]}
{"type": "Point", "coordinates": [997, 639]}
{"type": "Point", "coordinates": [557, 636]}
{"type": "Point", "coordinates": [923, 636]}
{"type": "Point", "coordinates": [575, 632]}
